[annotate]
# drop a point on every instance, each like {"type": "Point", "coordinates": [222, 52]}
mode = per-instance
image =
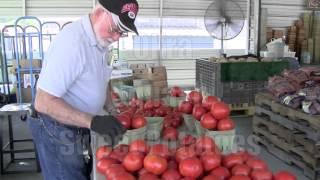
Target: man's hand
{"type": "Point", "coordinates": [109, 127]}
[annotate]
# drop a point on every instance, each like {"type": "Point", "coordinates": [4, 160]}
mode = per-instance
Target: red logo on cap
{"type": "Point", "coordinates": [130, 7]}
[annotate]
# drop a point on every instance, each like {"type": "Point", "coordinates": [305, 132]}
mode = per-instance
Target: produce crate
{"type": "Point", "coordinates": [233, 85]}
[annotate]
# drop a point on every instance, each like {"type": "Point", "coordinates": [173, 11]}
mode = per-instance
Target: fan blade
{"type": "Point", "coordinates": [234, 29]}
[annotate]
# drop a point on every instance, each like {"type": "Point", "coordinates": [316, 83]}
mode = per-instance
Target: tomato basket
{"type": "Point", "coordinates": [200, 131]}
{"type": "Point", "coordinates": [175, 101]}
{"type": "Point", "coordinates": [134, 134]}
{"type": "Point", "coordinates": [189, 122]}
{"type": "Point", "coordinates": [223, 139]}
{"type": "Point", "coordinates": [154, 128]}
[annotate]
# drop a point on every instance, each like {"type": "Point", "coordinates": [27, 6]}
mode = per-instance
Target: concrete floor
{"type": "Point", "coordinates": [244, 130]}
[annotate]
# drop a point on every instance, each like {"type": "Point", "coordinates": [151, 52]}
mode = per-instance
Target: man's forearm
{"type": "Point", "coordinates": [58, 109]}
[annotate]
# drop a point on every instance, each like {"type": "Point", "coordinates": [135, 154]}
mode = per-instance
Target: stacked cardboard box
{"type": "Point", "coordinates": [156, 75]}
{"type": "Point", "coordinates": [292, 36]}
{"type": "Point", "coordinates": [278, 34]}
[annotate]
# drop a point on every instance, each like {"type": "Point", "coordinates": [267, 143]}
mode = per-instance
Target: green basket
{"type": "Point", "coordinates": [189, 122]}
{"type": "Point", "coordinates": [144, 91]}
{"type": "Point", "coordinates": [134, 134]}
{"type": "Point", "coordinates": [200, 131]}
{"type": "Point", "coordinates": [126, 93]}
{"type": "Point", "coordinates": [154, 128]}
{"type": "Point", "coordinates": [223, 139]}
{"type": "Point", "coordinates": [175, 101]}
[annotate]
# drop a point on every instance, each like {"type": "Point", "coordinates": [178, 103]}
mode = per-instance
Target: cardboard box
{"type": "Point", "coordinates": [25, 63]}
{"type": "Point", "coordinates": [160, 83]}
{"type": "Point", "coordinates": [152, 73]}
{"type": "Point", "coordinates": [142, 66]}
{"type": "Point", "coordinates": [159, 92]}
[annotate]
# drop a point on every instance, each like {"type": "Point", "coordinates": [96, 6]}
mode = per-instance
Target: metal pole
{"type": "Point", "coordinates": [259, 28]}
{"type": "Point", "coordinates": [249, 8]}
{"type": "Point", "coordinates": [160, 38]}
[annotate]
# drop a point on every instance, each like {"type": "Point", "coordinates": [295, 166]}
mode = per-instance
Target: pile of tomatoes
{"type": "Point", "coordinates": [192, 159]}
{"type": "Point", "coordinates": [212, 113]}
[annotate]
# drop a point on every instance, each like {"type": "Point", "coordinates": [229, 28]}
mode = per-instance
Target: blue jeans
{"type": "Point", "coordinates": [60, 149]}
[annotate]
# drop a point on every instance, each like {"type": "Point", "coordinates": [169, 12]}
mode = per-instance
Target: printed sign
{"type": "Point", "coordinates": [314, 4]}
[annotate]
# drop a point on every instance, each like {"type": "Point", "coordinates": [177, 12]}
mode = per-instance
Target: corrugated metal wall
{"type": "Point", "coordinates": [10, 8]}
{"type": "Point", "coordinates": [70, 8]}
{"type": "Point", "coordinates": [191, 8]}
{"type": "Point", "coordinates": [283, 13]}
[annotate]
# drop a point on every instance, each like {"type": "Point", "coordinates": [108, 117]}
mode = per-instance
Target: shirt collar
{"type": "Point", "coordinates": [89, 30]}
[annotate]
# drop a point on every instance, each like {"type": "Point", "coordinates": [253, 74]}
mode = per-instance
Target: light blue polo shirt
{"type": "Point", "coordinates": [75, 68]}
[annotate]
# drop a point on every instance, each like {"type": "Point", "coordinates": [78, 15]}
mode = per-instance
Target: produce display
{"type": "Point", "coordinates": [194, 158]}
{"type": "Point", "coordinates": [299, 89]}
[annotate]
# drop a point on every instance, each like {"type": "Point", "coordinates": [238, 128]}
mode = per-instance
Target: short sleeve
{"type": "Point", "coordinates": [62, 66]}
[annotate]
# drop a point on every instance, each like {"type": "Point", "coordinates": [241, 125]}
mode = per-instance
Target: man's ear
{"type": "Point", "coordinates": [98, 12]}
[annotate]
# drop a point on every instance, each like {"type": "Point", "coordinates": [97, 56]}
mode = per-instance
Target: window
{"type": "Point", "coordinates": [172, 42]}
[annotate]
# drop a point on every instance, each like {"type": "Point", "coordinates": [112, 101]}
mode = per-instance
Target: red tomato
{"type": "Point", "coordinates": [133, 161]}
{"type": "Point", "coordinates": [284, 175]}
{"type": "Point", "coordinates": [210, 160]}
{"type": "Point", "coordinates": [220, 110]}
{"type": "Point", "coordinates": [172, 164]}
{"type": "Point", "coordinates": [157, 103]}
{"type": "Point", "coordinates": [188, 178]}
{"type": "Point", "coordinates": [142, 172]}
{"type": "Point", "coordinates": [138, 122]}
{"type": "Point", "coordinates": [113, 170]}
{"type": "Point", "coordinates": [211, 177]}
{"type": "Point", "coordinates": [161, 111]}
{"type": "Point", "coordinates": [208, 101]}
{"type": "Point", "coordinates": [114, 96]}
{"type": "Point", "coordinates": [171, 174]}
{"type": "Point", "coordinates": [140, 146]}
{"type": "Point", "coordinates": [119, 152]}
{"type": "Point", "coordinates": [155, 164]}
{"type": "Point", "coordinates": [198, 111]}
{"type": "Point", "coordinates": [246, 155]}
{"type": "Point", "coordinates": [191, 167]}
{"type": "Point", "coordinates": [170, 133]}
{"type": "Point", "coordinates": [225, 125]}
{"type": "Point", "coordinates": [185, 153]}
{"type": "Point", "coordinates": [187, 140]}
{"type": "Point", "coordinates": [205, 143]}
{"type": "Point", "coordinates": [257, 164]}
{"type": "Point", "coordinates": [161, 150]}
{"type": "Point", "coordinates": [186, 107]}
{"type": "Point", "coordinates": [261, 175]}
{"type": "Point", "coordinates": [195, 97]}
{"type": "Point", "coordinates": [102, 152]}
{"type": "Point", "coordinates": [208, 121]}
{"type": "Point", "coordinates": [221, 172]}
{"type": "Point", "coordinates": [231, 160]}
{"type": "Point", "coordinates": [104, 163]}
{"type": "Point", "coordinates": [241, 169]}
{"type": "Point", "coordinates": [240, 177]}
{"type": "Point", "coordinates": [176, 122]}
{"type": "Point", "coordinates": [148, 176]}
{"type": "Point", "coordinates": [124, 120]}
{"type": "Point", "coordinates": [124, 176]}
{"type": "Point", "coordinates": [148, 105]}
{"type": "Point", "coordinates": [176, 91]}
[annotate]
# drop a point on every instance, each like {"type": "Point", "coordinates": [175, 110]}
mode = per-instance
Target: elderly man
{"type": "Point", "coordinates": [71, 90]}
